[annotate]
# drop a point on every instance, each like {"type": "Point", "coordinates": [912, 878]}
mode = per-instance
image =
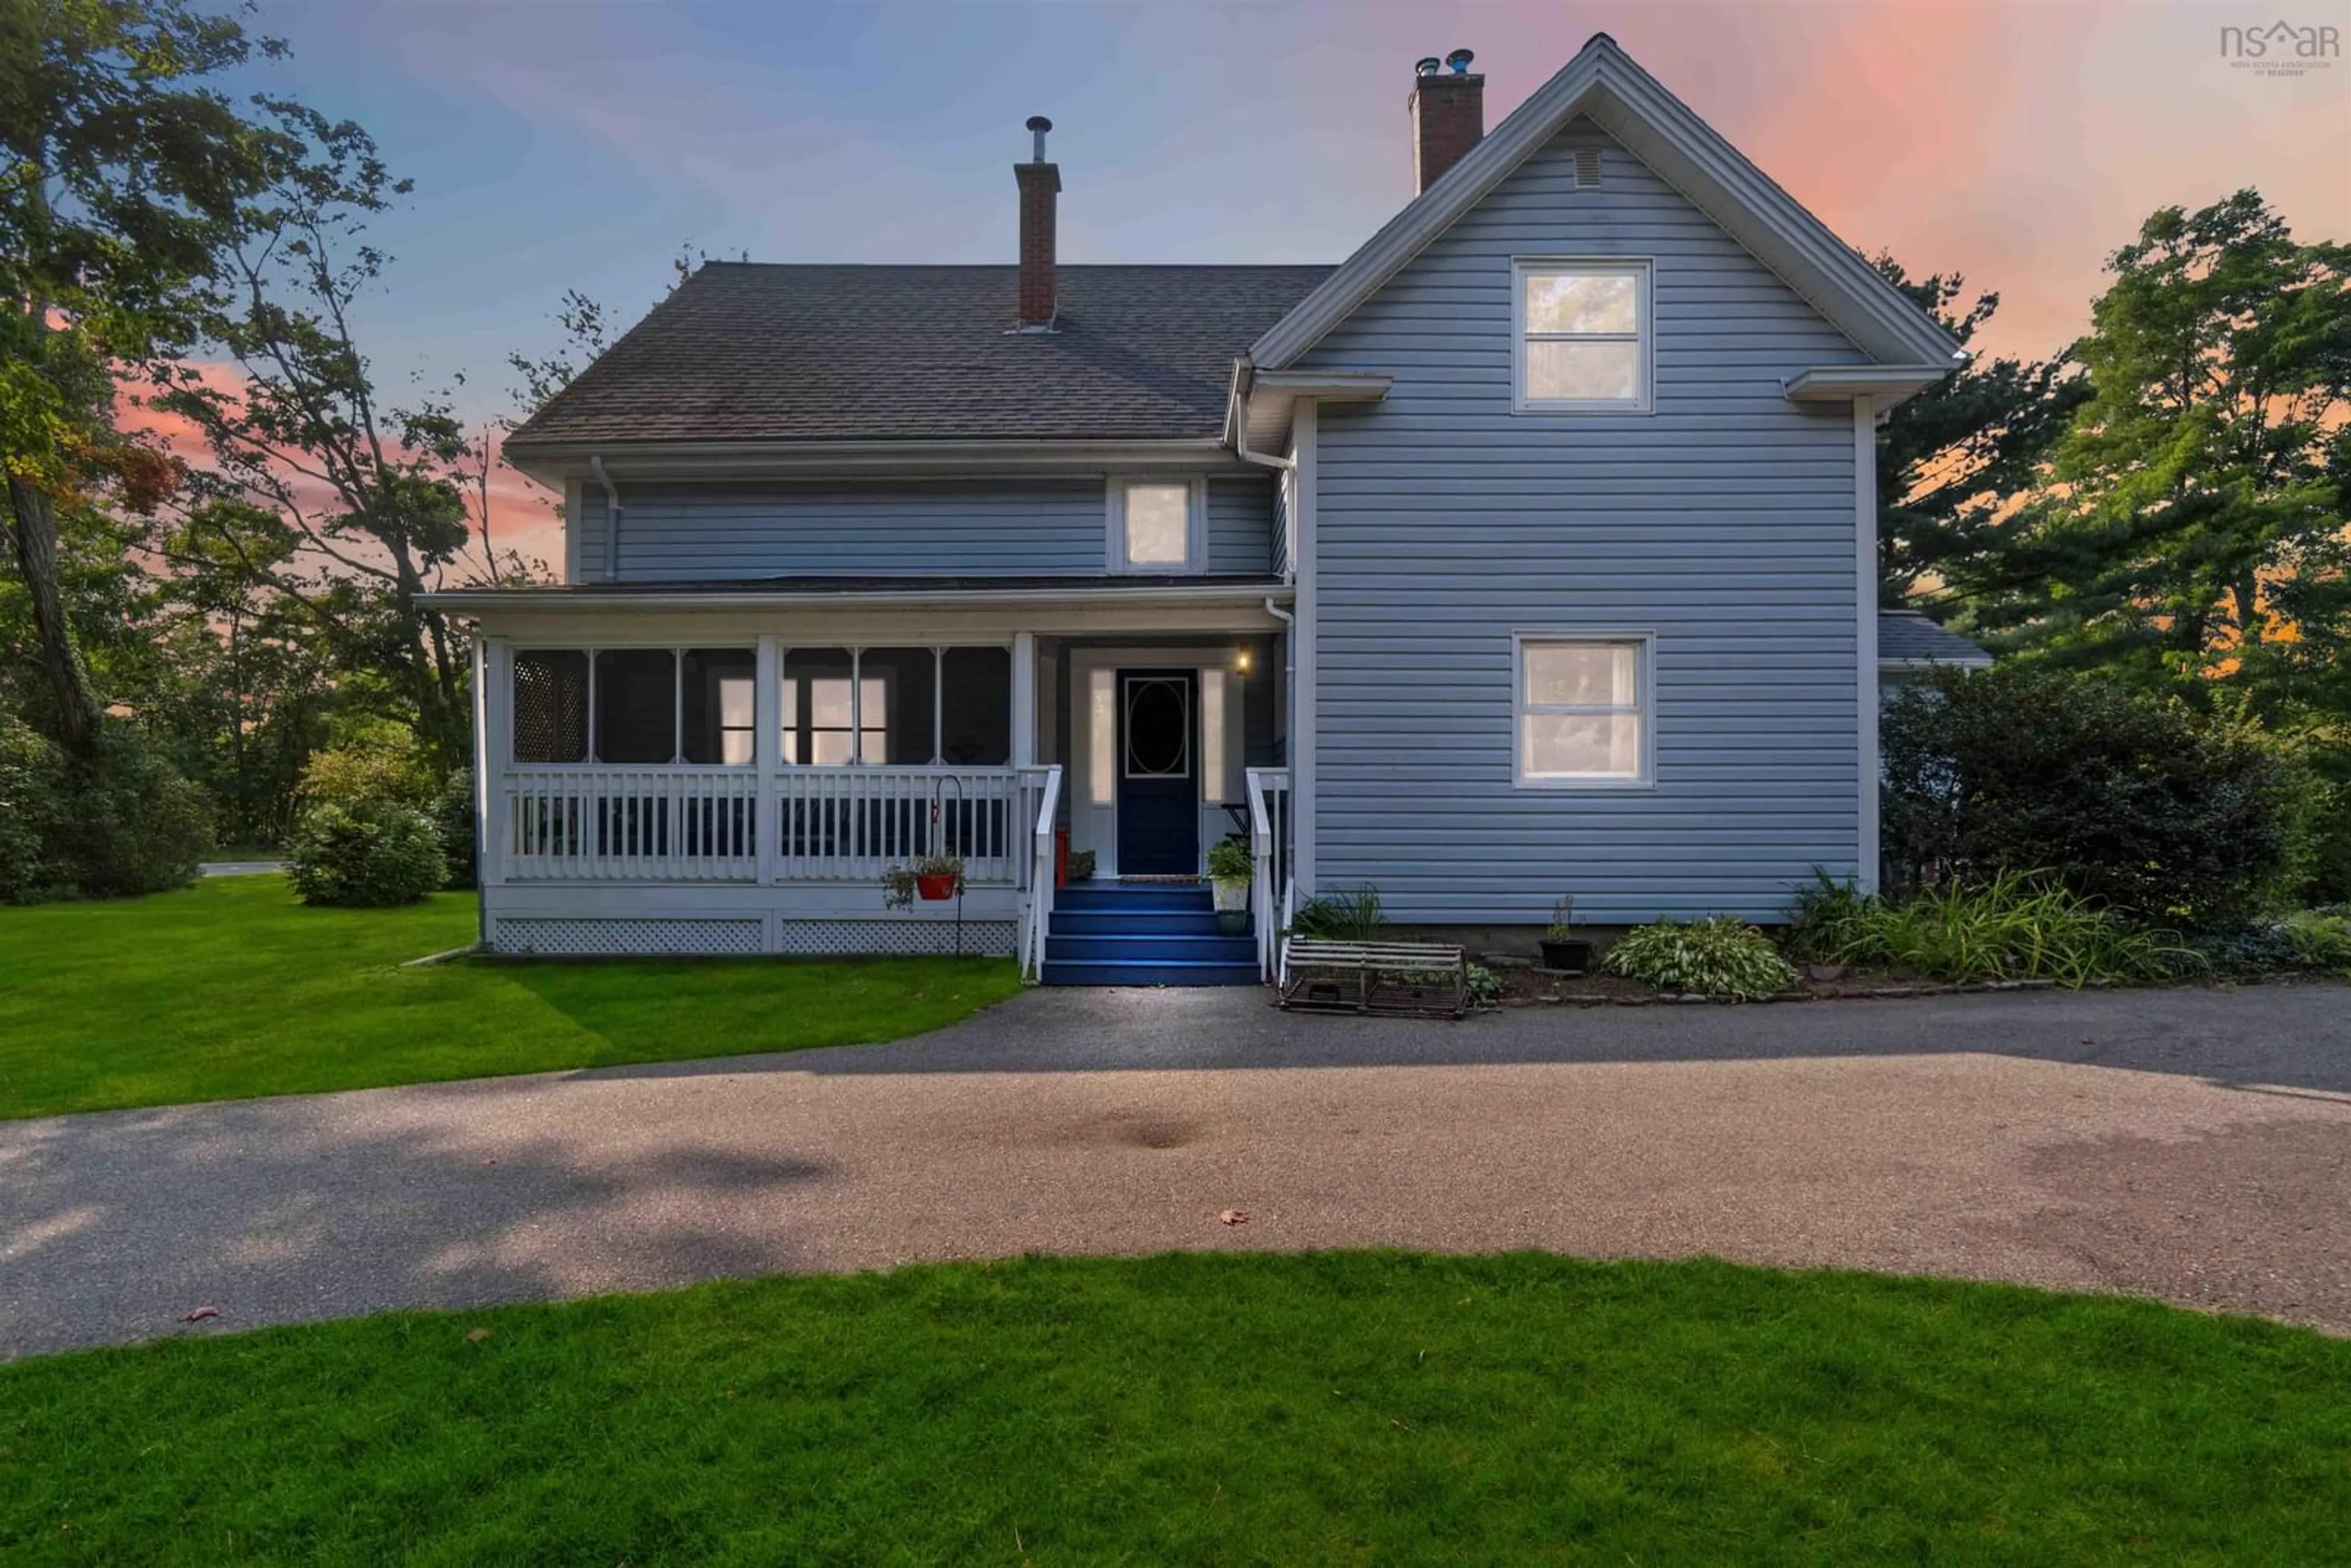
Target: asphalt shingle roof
{"type": "Point", "coordinates": [1910, 635]}
{"type": "Point", "coordinates": [746, 350]}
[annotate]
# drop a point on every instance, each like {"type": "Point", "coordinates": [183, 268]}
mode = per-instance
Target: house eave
{"type": "Point", "coordinates": [552, 462]}
{"type": "Point", "coordinates": [1262, 401]}
{"type": "Point", "coordinates": [1603, 84]}
{"type": "Point", "coordinates": [1886, 384]}
{"type": "Point", "coordinates": [655, 598]}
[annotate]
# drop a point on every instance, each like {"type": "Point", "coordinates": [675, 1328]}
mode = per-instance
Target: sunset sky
{"type": "Point", "coordinates": [570, 144]}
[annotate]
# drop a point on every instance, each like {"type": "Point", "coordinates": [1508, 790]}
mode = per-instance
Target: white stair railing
{"type": "Point", "coordinates": [1269, 801]}
{"type": "Point", "coordinates": [1037, 917]}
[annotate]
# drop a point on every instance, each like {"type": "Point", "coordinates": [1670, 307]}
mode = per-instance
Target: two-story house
{"type": "Point", "coordinates": [1529, 551]}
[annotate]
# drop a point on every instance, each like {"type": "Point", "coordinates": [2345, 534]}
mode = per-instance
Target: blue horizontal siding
{"type": "Point", "coordinates": [1008, 527]}
{"type": "Point", "coordinates": [1723, 523]}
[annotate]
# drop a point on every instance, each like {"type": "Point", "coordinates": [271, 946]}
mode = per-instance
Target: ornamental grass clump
{"type": "Point", "coordinates": [2012, 927]}
{"type": "Point", "coordinates": [1720, 956]}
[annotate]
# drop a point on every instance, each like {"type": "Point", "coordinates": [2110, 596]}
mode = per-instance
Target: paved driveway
{"type": "Point", "coordinates": [2190, 1144]}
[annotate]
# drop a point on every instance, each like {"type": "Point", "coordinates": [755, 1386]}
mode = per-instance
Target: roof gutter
{"type": "Point", "coordinates": [752, 598]}
{"type": "Point", "coordinates": [1237, 422]}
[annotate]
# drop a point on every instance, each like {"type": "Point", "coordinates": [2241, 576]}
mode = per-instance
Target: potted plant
{"type": "Point", "coordinates": [1231, 868]}
{"type": "Point", "coordinates": [934, 879]}
{"type": "Point", "coordinates": [1562, 950]}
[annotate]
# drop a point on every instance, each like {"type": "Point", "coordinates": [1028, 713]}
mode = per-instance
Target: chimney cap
{"type": "Point", "coordinates": [1426, 66]}
{"type": "Point", "coordinates": [1459, 60]}
{"type": "Point", "coordinates": [1039, 123]}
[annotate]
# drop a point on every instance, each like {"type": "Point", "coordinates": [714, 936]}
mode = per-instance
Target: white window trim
{"type": "Point", "coordinates": [1644, 690]}
{"type": "Point", "coordinates": [1645, 267]}
{"type": "Point", "coordinates": [1196, 529]}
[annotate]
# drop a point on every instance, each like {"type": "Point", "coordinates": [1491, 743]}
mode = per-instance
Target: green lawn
{"type": "Point", "coordinates": [1339, 1408]}
{"type": "Point", "coordinates": [231, 989]}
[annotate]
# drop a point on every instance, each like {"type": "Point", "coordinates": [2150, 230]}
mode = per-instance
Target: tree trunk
{"type": "Point", "coordinates": [37, 562]}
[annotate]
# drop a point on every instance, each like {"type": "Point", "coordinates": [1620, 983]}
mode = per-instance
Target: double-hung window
{"type": "Point", "coordinates": [1584, 711]}
{"type": "Point", "coordinates": [1583, 336]}
{"type": "Point", "coordinates": [1157, 524]}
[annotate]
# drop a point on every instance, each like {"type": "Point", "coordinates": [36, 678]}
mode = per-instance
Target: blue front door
{"type": "Point", "coordinates": [1158, 803]}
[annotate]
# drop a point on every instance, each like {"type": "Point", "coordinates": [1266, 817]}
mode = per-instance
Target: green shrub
{"type": "Point", "coordinates": [2318, 940]}
{"type": "Point", "coordinates": [2013, 927]}
{"type": "Point", "coordinates": [2135, 802]}
{"type": "Point", "coordinates": [453, 817]}
{"type": "Point", "coordinates": [374, 853]}
{"type": "Point", "coordinates": [379, 760]}
{"type": "Point", "coordinates": [112, 826]}
{"type": "Point", "coordinates": [1485, 985]}
{"type": "Point", "coordinates": [1720, 956]}
{"type": "Point", "coordinates": [31, 787]}
{"type": "Point", "coordinates": [1351, 917]}
{"type": "Point", "coordinates": [1825, 915]}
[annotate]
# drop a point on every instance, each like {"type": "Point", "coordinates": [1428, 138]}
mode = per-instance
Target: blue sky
{"type": "Point", "coordinates": [580, 145]}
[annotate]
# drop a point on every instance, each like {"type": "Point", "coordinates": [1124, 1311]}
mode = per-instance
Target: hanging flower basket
{"type": "Point", "coordinates": [936, 887]}
{"type": "Point", "coordinates": [934, 879]}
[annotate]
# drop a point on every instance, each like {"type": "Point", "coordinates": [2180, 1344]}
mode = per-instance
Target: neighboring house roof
{"type": "Point", "coordinates": [751, 351]}
{"type": "Point", "coordinates": [1603, 84]}
{"type": "Point", "coordinates": [1908, 637]}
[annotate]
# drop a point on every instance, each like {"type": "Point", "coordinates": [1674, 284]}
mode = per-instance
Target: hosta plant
{"type": "Point", "coordinates": [1720, 956]}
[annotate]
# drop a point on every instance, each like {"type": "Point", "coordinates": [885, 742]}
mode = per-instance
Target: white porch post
{"type": "Point", "coordinates": [767, 755]}
{"type": "Point", "coordinates": [1024, 699]}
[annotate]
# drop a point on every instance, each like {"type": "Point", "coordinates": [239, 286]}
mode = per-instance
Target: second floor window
{"type": "Point", "coordinates": [1583, 336]}
{"type": "Point", "coordinates": [1155, 525]}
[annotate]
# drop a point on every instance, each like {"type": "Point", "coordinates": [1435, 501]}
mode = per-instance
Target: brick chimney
{"type": "Point", "coordinates": [1449, 115]}
{"type": "Point", "coordinates": [1041, 184]}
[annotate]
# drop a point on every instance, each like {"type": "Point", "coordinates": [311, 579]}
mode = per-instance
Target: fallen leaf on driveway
{"type": "Point", "coordinates": [1234, 1217]}
{"type": "Point", "coordinates": [477, 1336]}
{"type": "Point", "coordinates": [198, 1314]}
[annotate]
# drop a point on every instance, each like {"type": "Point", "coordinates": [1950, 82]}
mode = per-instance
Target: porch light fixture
{"type": "Point", "coordinates": [1242, 662]}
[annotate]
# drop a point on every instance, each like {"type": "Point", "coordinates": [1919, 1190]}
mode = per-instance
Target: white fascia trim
{"type": "Point", "coordinates": [551, 463]}
{"type": "Point", "coordinates": [462, 600]}
{"type": "Point", "coordinates": [1889, 384]}
{"type": "Point", "coordinates": [1603, 82]}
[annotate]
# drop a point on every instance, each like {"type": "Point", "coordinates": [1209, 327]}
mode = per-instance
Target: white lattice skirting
{"type": "Point", "coordinates": [711, 936]}
{"type": "Point", "coordinates": [984, 938]}
{"type": "Point", "coordinates": [675, 939]}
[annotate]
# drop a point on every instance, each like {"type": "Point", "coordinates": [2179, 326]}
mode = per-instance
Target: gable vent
{"type": "Point", "coordinates": [1587, 168]}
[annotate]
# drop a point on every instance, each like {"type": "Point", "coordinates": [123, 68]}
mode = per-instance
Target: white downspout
{"type": "Point", "coordinates": [611, 517]}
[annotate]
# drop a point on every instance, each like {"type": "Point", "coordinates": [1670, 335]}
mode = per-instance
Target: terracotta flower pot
{"type": "Point", "coordinates": [937, 886]}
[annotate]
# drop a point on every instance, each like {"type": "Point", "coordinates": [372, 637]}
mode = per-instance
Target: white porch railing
{"type": "Point", "coordinates": [1037, 913]}
{"type": "Point", "coordinates": [1269, 805]}
{"type": "Point", "coordinates": [688, 824]}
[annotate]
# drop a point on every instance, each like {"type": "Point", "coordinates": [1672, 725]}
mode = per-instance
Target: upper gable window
{"type": "Point", "coordinates": [1156, 524]}
{"type": "Point", "coordinates": [1582, 336]}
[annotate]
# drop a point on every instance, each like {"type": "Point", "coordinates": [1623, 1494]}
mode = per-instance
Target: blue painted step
{"type": "Point", "coordinates": [1145, 972]}
{"type": "Point", "coordinates": [1135, 923]}
{"type": "Point", "coordinates": [1154, 949]}
{"type": "Point", "coordinates": [1133, 897]}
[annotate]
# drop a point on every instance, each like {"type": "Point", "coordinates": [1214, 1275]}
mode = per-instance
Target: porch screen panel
{"type": "Point", "coordinates": [717, 686]}
{"type": "Point", "coordinates": [820, 713]}
{"type": "Point", "coordinates": [976, 727]}
{"type": "Point", "coordinates": [976, 731]}
{"type": "Point", "coordinates": [550, 705]}
{"type": "Point", "coordinates": [636, 705]}
{"type": "Point", "coordinates": [900, 690]}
